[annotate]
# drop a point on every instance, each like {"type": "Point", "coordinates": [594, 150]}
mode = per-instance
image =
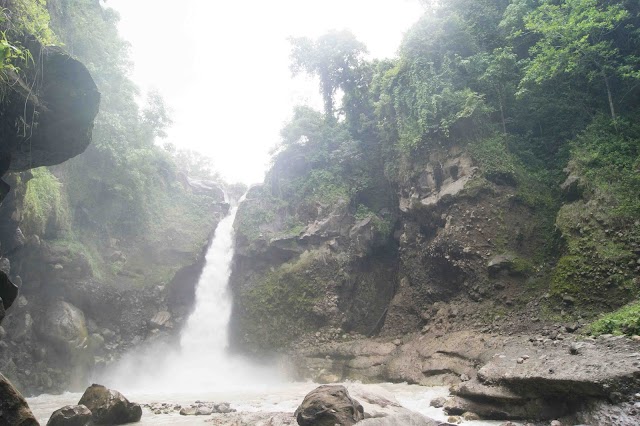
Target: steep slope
{"type": "Point", "coordinates": [106, 248]}
{"type": "Point", "coordinates": [438, 197]}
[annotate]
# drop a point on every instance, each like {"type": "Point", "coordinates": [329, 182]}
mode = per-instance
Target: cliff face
{"type": "Point", "coordinates": [85, 301]}
{"type": "Point", "coordinates": [45, 121]}
{"type": "Point", "coordinates": [445, 236]}
{"type": "Point", "coordinates": [451, 237]}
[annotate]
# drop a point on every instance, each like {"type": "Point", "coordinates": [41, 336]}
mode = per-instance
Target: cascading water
{"type": "Point", "coordinates": [202, 361]}
{"type": "Point", "coordinates": [201, 368]}
{"type": "Point", "coordinates": [205, 336]}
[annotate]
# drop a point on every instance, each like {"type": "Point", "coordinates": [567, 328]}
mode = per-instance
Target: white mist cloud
{"type": "Point", "coordinates": [223, 66]}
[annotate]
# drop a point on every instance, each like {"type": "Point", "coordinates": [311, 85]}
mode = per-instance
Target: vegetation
{"type": "Point", "coordinates": [625, 320]}
{"type": "Point", "coordinates": [294, 288]}
{"type": "Point", "coordinates": [44, 206]}
{"type": "Point", "coordinates": [526, 87]}
{"type": "Point", "coordinates": [125, 194]}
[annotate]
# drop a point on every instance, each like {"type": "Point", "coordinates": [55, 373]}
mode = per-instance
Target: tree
{"type": "Point", "coordinates": [498, 78]}
{"type": "Point", "coordinates": [334, 58]}
{"type": "Point", "coordinates": [575, 38]}
{"type": "Point", "coordinates": [156, 116]}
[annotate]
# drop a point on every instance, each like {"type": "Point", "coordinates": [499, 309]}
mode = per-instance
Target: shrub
{"type": "Point", "coordinates": [43, 203]}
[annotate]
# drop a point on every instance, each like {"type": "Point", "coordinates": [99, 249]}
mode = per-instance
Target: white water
{"type": "Point", "coordinates": [202, 362]}
{"type": "Point", "coordinates": [279, 398]}
{"type": "Point", "coordinates": [202, 369]}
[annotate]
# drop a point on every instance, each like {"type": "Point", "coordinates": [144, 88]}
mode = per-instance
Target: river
{"type": "Point", "coordinates": [202, 369]}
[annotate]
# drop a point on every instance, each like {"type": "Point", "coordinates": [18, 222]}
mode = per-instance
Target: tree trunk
{"type": "Point", "coordinates": [504, 122]}
{"type": "Point", "coordinates": [609, 96]}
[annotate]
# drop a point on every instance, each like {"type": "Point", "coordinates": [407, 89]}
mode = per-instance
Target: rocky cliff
{"type": "Point", "coordinates": [451, 241]}
{"type": "Point", "coordinates": [85, 301]}
{"type": "Point", "coordinates": [102, 252]}
{"type": "Point", "coordinates": [450, 271]}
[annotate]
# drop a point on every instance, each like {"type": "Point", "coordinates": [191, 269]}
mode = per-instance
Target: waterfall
{"type": "Point", "coordinates": [201, 362]}
{"type": "Point", "coordinates": [205, 335]}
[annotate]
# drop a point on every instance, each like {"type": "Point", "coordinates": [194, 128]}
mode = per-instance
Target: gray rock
{"type": "Point", "coordinates": [438, 402]}
{"type": "Point", "coordinates": [160, 319]}
{"type": "Point", "coordinates": [5, 265]}
{"type": "Point", "coordinates": [14, 409]}
{"type": "Point", "coordinates": [189, 411]}
{"type": "Point", "coordinates": [109, 407]}
{"type": "Point", "coordinates": [65, 115]}
{"type": "Point", "coordinates": [329, 405]}
{"type": "Point", "coordinates": [224, 408]}
{"type": "Point", "coordinates": [572, 188]}
{"type": "Point", "coordinates": [64, 326]}
{"type": "Point", "coordinates": [71, 415]}
{"type": "Point", "coordinates": [502, 262]}
{"type": "Point", "coordinates": [409, 419]}
{"type": "Point", "coordinates": [206, 187]}
{"type": "Point", "coordinates": [204, 411]}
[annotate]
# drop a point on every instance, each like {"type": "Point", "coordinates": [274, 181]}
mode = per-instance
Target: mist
{"type": "Point", "coordinates": [223, 67]}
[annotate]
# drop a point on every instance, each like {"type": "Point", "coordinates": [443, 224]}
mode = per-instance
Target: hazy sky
{"type": "Point", "coordinates": [223, 66]}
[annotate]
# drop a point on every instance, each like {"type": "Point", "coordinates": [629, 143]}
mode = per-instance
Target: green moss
{"type": "Point", "coordinates": [477, 187]}
{"type": "Point", "coordinates": [382, 226]}
{"type": "Point", "coordinates": [280, 306]}
{"type": "Point", "coordinates": [592, 281]}
{"type": "Point", "coordinates": [625, 320]}
{"type": "Point", "coordinates": [321, 186]}
{"type": "Point", "coordinates": [522, 266]}
{"type": "Point", "coordinates": [43, 203]}
{"type": "Point", "coordinates": [496, 162]}
{"type": "Point", "coordinates": [609, 159]}
{"type": "Point", "coordinates": [253, 216]}
{"type": "Point", "coordinates": [75, 248]}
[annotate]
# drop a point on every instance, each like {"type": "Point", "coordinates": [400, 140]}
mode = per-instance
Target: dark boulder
{"type": "Point", "coordinates": [14, 409]}
{"type": "Point", "coordinates": [329, 405]}
{"type": "Point", "coordinates": [65, 103]}
{"type": "Point", "coordinates": [8, 293]}
{"type": "Point", "coordinates": [109, 407]}
{"type": "Point", "coordinates": [71, 415]}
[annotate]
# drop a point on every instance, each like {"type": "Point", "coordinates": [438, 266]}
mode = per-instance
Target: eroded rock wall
{"type": "Point", "coordinates": [78, 310]}
{"type": "Point", "coordinates": [450, 248]}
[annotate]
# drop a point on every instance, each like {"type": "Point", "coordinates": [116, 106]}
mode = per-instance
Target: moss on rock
{"type": "Point", "coordinates": [287, 301]}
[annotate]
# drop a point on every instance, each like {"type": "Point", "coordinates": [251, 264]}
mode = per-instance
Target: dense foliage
{"type": "Point", "coordinates": [529, 87]}
{"type": "Point", "coordinates": [125, 187]}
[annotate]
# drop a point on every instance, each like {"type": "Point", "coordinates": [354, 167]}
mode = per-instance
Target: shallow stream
{"type": "Point", "coordinates": [278, 398]}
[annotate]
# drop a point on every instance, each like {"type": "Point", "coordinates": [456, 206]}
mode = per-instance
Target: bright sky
{"type": "Point", "coordinates": [223, 66]}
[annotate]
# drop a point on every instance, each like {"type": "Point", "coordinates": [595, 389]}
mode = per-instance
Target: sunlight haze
{"type": "Point", "coordinates": [221, 65]}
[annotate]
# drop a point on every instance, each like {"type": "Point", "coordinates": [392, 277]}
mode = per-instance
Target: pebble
{"type": "Point", "coordinates": [469, 416]}
{"type": "Point", "coordinates": [520, 360]}
{"type": "Point", "coordinates": [438, 402]}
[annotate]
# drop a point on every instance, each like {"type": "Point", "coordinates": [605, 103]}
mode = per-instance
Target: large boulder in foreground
{"type": "Point", "coordinates": [329, 405]}
{"type": "Point", "coordinates": [109, 407]}
{"type": "Point", "coordinates": [14, 409]}
{"type": "Point", "coordinates": [71, 415]}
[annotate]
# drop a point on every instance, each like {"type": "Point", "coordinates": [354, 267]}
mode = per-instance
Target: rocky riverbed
{"type": "Point", "coordinates": [503, 377]}
{"type": "Point", "coordinates": [259, 405]}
